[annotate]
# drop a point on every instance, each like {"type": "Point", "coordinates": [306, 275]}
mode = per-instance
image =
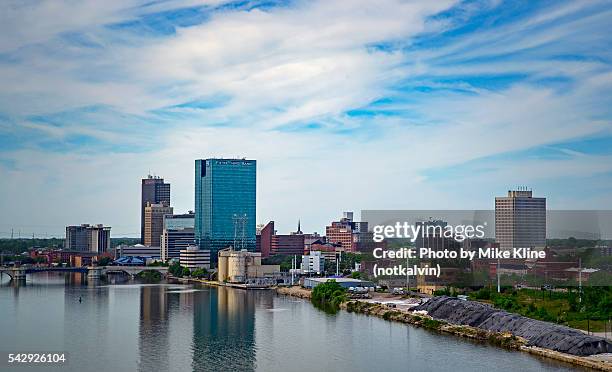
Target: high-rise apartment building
{"type": "Point", "coordinates": [88, 238]}
{"type": "Point", "coordinates": [225, 197]}
{"type": "Point", "coordinates": [520, 220]}
{"type": "Point", "coordinates": [154, 191]}
{"type": "Point", "coordinates": [154, 223]}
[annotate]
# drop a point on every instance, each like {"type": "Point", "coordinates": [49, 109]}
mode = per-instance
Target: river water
{"type": "Point", "coordinates": [140, 327]}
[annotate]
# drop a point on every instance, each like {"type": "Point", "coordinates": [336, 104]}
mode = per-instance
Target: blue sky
{"type": "Point", "coordinates": [345, 105]}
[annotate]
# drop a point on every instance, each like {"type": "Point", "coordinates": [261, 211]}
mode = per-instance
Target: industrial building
{"type": "Point", "coordinates": [243, 266]}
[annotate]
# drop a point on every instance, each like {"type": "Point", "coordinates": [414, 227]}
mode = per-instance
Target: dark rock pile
{"type": "Point", "coordinates": [536, 332]}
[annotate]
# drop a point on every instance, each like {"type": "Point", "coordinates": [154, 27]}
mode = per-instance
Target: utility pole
{"type": "Point", "coordinates": [580, 280]}
{"type": "Point", "coordinates": [498, 277]}
{"type": "Point", "coordinates": [337, 262]}
{"type": "Point", "coordinates": [407, 275]}
{"type": "Point", "coordinates": [293, 269]}
{"type": "Point", "coordinates": [239, 228]}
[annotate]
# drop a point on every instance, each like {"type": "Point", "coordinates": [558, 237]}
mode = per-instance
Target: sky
{"type": "Point", "coordinates": [346, 105]}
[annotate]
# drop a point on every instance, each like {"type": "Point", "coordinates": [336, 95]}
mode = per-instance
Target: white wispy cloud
{"type": "Point", "coordinates": [278, 84]}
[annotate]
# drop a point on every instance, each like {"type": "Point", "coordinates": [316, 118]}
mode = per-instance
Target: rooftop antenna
{"type": "Point", "coordinates": [239, 228]}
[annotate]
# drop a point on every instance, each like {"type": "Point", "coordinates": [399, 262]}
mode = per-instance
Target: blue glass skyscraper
{"type": "Point", "coordinates": [225, 193]}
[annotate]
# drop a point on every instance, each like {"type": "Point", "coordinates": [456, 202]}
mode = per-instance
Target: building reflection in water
{"type": "Point", "coordinates": [153, 335]}
{"type": "Point", "coordinates": [82, 298]}
{"type": "Point", "coordinates": [224, 331]}
{"type": "Point", "coordinates": [206, 329]}
{"type": "Point", "coordinates": [77, 279]}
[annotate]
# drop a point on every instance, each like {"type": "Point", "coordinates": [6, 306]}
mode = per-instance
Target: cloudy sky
{"type": "Point", "coordinates": [346, 105]}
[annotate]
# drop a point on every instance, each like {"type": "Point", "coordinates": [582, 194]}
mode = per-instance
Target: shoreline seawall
{"type": "Point", "coordinates": [502, 339]}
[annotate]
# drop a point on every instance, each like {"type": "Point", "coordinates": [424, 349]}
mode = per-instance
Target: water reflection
{"type": "Point", "coordinates": [144, 327]}
{"type": "Point", "coordinates": [153, 331]}
{"type": "Point", "coordinates": [224, 331]}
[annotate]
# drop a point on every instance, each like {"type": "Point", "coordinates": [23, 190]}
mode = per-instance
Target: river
{"type": "Point", "coordinates": [140, 327]}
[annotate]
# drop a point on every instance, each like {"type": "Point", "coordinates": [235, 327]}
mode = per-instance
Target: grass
{"type": "Point", "coordinates": [546, 305]}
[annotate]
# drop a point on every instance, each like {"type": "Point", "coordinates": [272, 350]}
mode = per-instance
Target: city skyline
{"type": "Point", "coordinates": [345, 107]}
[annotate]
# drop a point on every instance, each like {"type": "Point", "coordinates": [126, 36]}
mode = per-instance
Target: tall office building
{"type": "Point", "coordinates": [154, 191]}
{"type": "Point", "coordinates": [225, 193]}
{"type": "Point", "coordinates": [76, 238]}
{"type": "Point", "coordinates": [520, 220]}
{"type": "Point", "coordinates": [99, 239]}
{"type": "Point", "coordinates": [154, 223]}
{"type": "Point", "coordinates": [88, 238]}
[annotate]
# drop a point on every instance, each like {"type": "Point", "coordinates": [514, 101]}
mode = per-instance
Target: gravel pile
{"type": "Point", "coordinates": [538, 333]}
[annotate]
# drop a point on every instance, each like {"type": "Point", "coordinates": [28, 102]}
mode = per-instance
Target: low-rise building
{"type": "Point", "coordinates": [580, 274]}
{"type": "Point", "coordinates": [344, 282]}
{"type": "Point", "coordinates": [269, 243]}
{"type": "Point", "coordinates": [74, 258]}
{"type": "Point", "coordinates": [313, 263]}
{"type": "Point", "coordinates": [137, 250]}
{"type": "Point", "coordinates": [194, 258]}
{"type": "Point", "coordinates": [331, 252]}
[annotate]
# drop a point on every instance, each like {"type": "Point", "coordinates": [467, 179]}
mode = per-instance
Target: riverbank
{"type": "Point", "coordinates": [218, 284]}
{"type": "Point", "coordinates": [295, 291]}
{"type": "Point", "coordinates": [503, 339]}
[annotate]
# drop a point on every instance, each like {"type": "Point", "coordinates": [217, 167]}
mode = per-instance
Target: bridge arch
{"type": "Point", "coordinates": [134, 270]}
{"type": "Point", "coordinates": [8, 273]}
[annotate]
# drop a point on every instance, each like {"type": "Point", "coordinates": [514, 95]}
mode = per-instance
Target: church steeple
{"type": "Point", "coordinates": [299, 231]}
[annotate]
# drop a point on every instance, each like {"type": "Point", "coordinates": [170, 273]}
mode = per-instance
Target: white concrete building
{"type": "Point", "coordinates": [314, 263]}
{"type": "Point", "coordinates": [195, 258]}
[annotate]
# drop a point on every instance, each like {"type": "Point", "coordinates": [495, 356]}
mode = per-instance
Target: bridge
{"type": "Point", "coordinates": [93, 272]}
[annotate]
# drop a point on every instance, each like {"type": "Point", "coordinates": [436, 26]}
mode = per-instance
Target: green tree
{"type": "Point", "coordinates": [104, 261]}
{"type": "Point", "coordinates": [199, 273]}
{"type": "Point", "coordinates": [176, 270]}
{"type": "Point", "coordinates": [328, 296]}
{"type": "Point", "coordinates": [186, 272]}
{"type": "Point", "coordinates": [150, 276]}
